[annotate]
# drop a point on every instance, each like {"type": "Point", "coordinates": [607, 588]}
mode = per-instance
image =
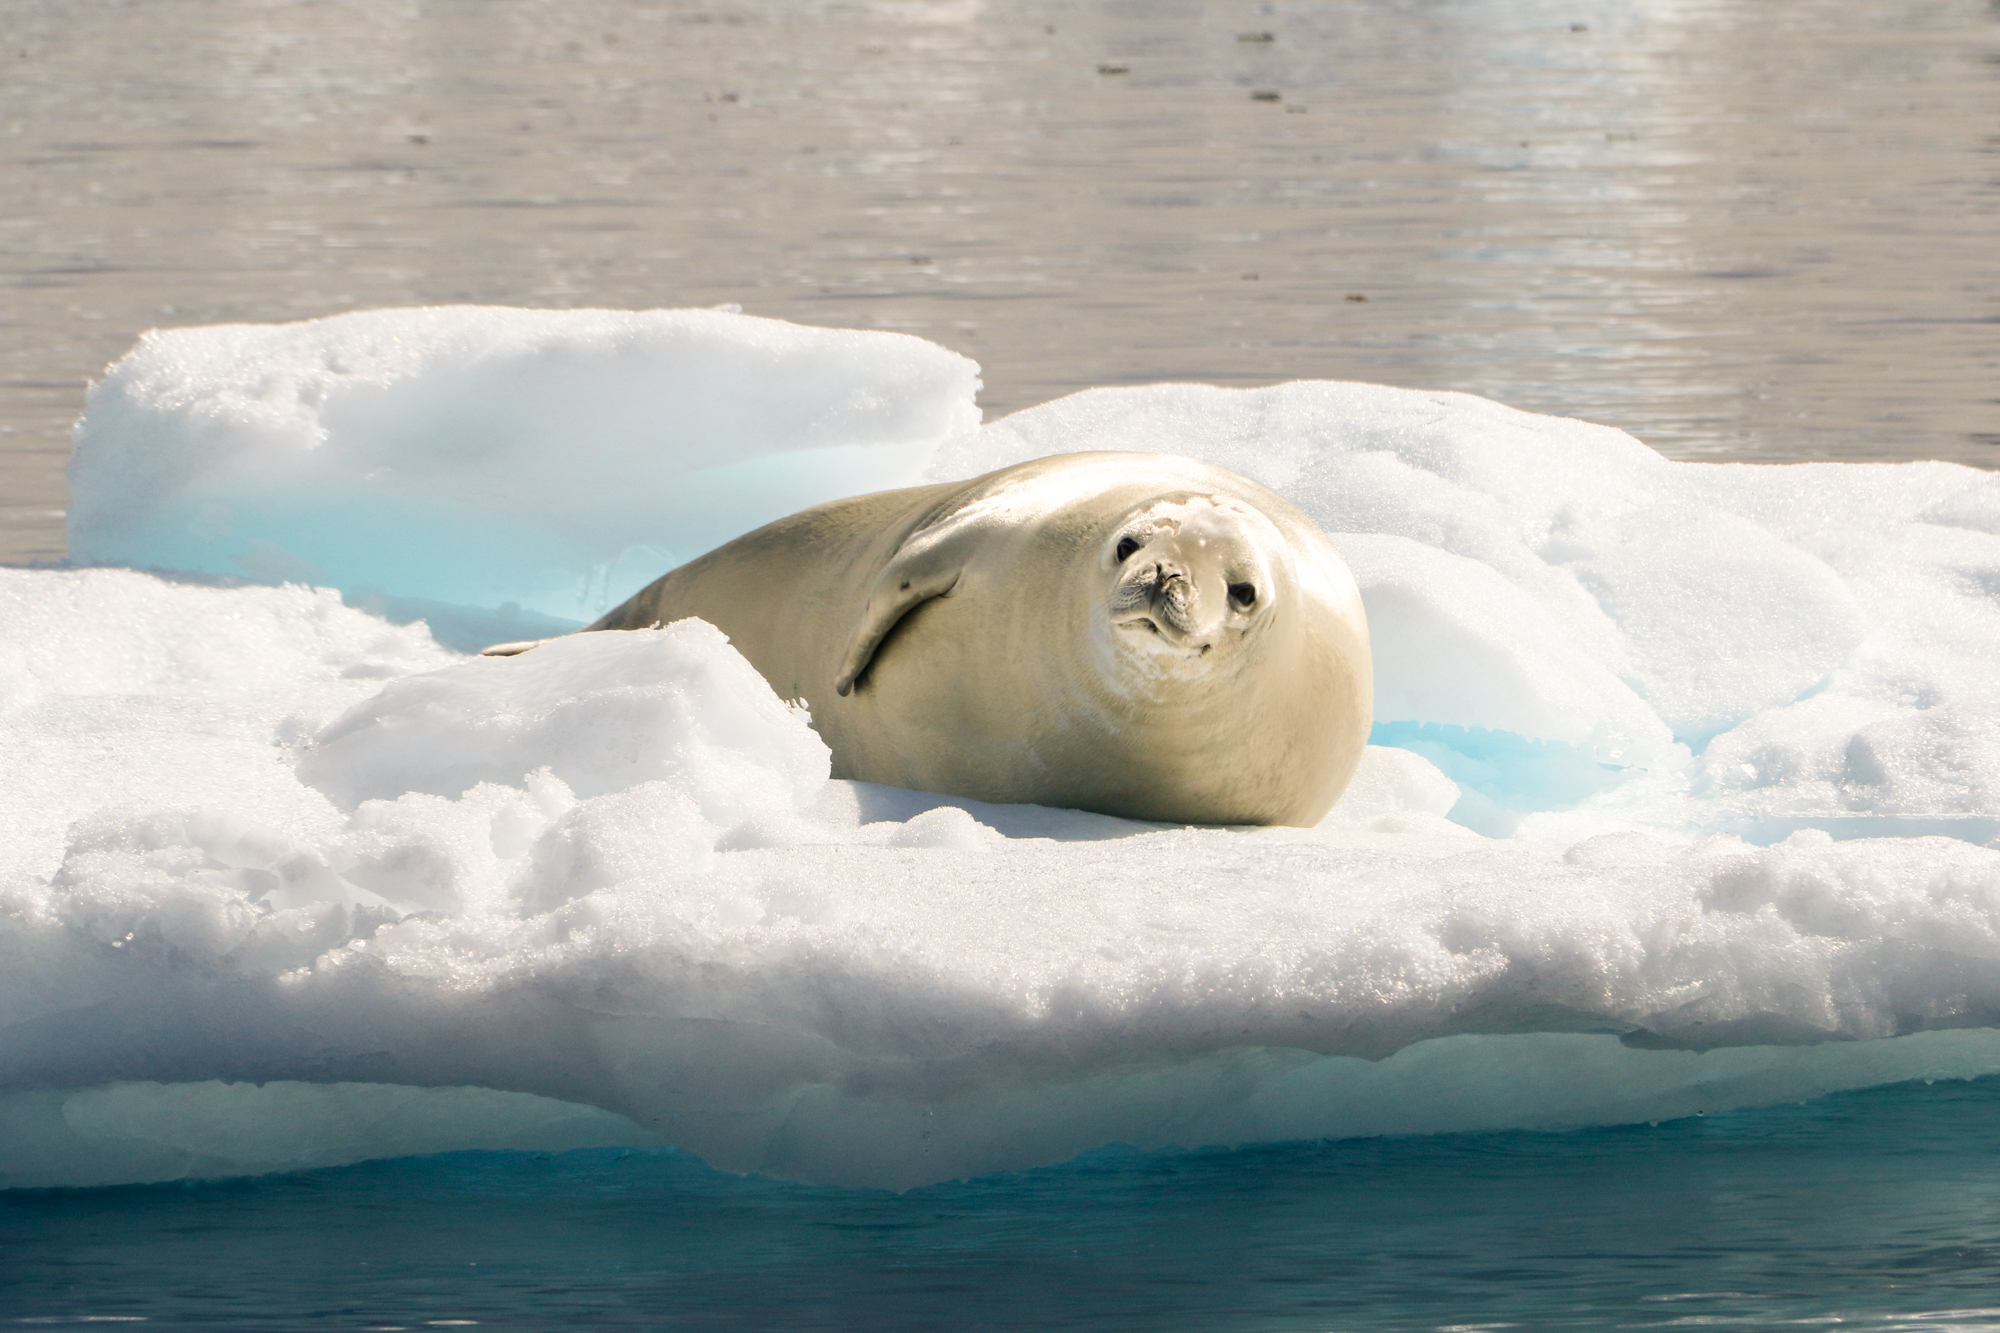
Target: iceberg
{"type": "Point", "coordinates": [1685, 795]}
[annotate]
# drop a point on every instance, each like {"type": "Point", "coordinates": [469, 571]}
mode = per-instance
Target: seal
{"type": "Point", "coordinates": [1138, 634]}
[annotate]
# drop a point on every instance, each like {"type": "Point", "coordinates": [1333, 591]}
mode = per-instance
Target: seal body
{"type": "Point", "coordinates": [1138, 634]}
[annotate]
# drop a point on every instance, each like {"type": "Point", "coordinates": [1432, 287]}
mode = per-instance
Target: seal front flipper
{"type": "Point", "coordinates": [903, 587]}
{"type": "Point", "coordinates": [928, 564]}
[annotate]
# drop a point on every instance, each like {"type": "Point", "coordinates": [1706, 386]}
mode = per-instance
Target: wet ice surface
{"type": "Point", "coordinates": [1683, 779]}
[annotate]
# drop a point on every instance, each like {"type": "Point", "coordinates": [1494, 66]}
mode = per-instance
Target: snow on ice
{"type": "Point", "coordinates": [1684, 792]}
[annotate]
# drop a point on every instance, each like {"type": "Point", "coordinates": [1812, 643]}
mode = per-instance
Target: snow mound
{"type": "Point", "coordinates": [552, 460]}
{"type": "Point", "coordinates": [603, 712]}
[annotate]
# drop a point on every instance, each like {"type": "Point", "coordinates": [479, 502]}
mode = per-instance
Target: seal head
{"type": "Point", "coordinates": [1187, 574]}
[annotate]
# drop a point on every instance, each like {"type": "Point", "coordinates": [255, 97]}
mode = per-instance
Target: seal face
{"type": "Point", "coordinates": [1138, 634]}
{"type": "Point", "coordinates": [1188, 570]}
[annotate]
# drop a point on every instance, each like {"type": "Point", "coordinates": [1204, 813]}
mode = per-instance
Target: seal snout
{"type": "Point", "coordinates": [1174, 598]}
{"type": "Point", "coordinates": [1165, 599]}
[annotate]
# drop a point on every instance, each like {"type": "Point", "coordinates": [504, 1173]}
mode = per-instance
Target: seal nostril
{"type": "Point", "coordinates": [1126, 546]}
{"type": "Point", "coordinates": [1243, 594]}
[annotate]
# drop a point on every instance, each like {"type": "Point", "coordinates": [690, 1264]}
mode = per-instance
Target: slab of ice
{"type": "Point", "coordinates": [140, 1133]}
{"type": "Point", "coordinates": [1711, 717]}
{"type": "Point", "coordinates": [602, 712]}
{"type": "Point", "coordinates": [550, 460]}
{"type": "Point", "coordinates": [850, 984]}
{"type": "Point", "coordinates": [134, 1133]}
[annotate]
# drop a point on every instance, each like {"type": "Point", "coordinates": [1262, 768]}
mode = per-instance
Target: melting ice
{"type": "Point", "coordinates": [1684, 787]}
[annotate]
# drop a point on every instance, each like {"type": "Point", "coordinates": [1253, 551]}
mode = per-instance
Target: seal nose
{"type": "Point", "coordinates": [1173, 596]}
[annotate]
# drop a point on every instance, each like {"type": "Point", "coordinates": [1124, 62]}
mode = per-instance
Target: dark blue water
{"type": "Point", "coordinates": [1876, 1209]}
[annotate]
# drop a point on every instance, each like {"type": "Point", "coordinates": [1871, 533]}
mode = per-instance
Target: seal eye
{"type": "Point", "coordinates": [1126, 545]}
{"type": "Point", "coordinates": [1243, 594]}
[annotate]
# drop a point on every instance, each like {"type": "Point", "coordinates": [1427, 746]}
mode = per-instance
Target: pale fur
{"type": "Point", "coordinates": [982, 638]}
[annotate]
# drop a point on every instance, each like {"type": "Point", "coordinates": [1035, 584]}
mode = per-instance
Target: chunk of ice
{"type": "Point", "coordinates": [474, 456]}
{"type": "Point", "coordinates": [613, 874]}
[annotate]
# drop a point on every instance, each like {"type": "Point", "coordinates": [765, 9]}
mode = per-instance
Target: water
{"type": "Point", "coordinates": [1878, 1209]}
{"type": "Point", "coordinates": [1737, 229]}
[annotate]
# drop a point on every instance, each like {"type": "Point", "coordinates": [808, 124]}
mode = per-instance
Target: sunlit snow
{"type": "Point", "coordinates": [1683, 792]}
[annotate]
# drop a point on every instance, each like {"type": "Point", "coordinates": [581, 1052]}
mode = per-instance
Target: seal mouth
{"type": "Point", "coordinates": [1173, 638]}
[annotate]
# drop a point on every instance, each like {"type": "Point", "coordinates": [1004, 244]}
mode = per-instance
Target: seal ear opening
{"type": "Point", "coordinates": [899, 591]}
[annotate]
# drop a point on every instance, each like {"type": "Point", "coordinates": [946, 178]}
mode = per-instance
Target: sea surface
{"type": "Point", "coordinates": [1867, 1210]}
{"type": "Point", "coordinates": [1738, 229]}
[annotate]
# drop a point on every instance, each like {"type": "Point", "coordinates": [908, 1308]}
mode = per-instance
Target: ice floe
{"type": "Point", "coordinates": [1684, 792]}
